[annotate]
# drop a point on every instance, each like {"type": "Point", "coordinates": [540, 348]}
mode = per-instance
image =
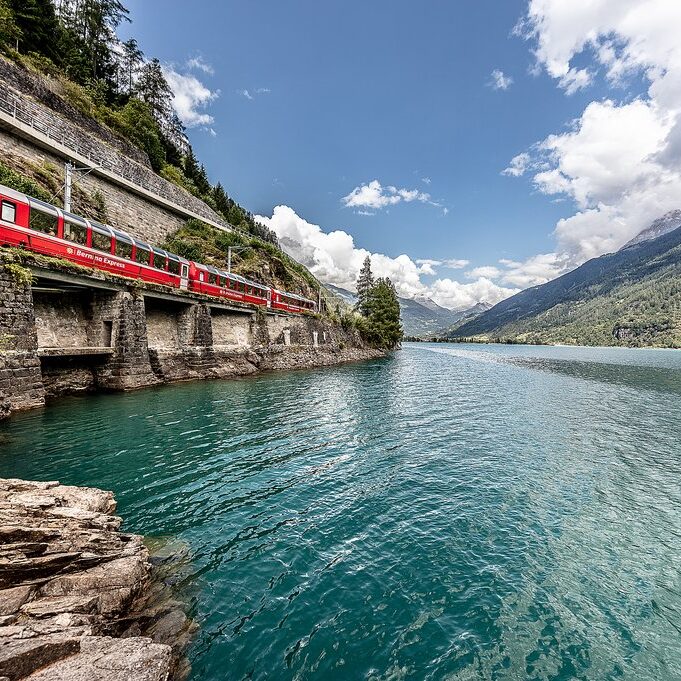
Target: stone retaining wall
{"type": "Point", "coordinates": [93, 339]}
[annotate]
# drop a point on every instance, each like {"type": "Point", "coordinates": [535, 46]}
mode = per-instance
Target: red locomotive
{"type": "Point", "coordinates": [43, 228]}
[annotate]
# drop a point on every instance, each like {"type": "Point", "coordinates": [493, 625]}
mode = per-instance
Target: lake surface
{"type": "Point", "coordinates": [452, 512]}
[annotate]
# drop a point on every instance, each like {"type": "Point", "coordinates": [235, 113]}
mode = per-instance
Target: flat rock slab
{"type": "Point", "coordinates": [111, 659]}
{"type": "Point", "coordinates": [21, 657]}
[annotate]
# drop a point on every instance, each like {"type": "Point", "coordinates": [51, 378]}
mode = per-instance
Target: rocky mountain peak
{"type": "Point", "coordinates": [667, 223]}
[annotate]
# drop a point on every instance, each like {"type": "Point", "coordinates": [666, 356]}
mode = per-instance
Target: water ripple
{"type": "Point", "coordinates": [459, 512]}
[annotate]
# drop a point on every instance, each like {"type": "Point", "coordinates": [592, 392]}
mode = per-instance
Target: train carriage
{"type": "Point", "coordinates": [43, 228]}
{"type": "Point", "coordinates": [214, 282]}
{"type": "Point", "coordinates": [40, 227]}
{"type": "Point", "coordinates": [291, 302]}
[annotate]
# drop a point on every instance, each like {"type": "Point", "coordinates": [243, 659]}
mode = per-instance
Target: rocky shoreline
{"type": "Point", "coordinates": [78, 598]}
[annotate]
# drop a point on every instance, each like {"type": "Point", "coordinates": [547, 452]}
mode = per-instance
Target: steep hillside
{"type": "Point", "coordinates": [632, 297]}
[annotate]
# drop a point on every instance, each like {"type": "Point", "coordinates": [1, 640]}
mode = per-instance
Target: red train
{"type": "Point", "coordinates": [43, 228]}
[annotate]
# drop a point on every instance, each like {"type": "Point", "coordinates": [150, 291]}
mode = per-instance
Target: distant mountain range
{"type": "Point", "coordinates": [421, 316]}
{"type": "Point", "coordinates": [631, 297]}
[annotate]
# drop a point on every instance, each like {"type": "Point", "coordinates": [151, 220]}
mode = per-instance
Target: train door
{"type": "Point", "coordinates": [269, 297]}
{"type": "Point", "coordinates": [184, 276]}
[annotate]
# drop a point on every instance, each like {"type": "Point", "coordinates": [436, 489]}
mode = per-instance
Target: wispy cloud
{"type": "Point", "coordinates": [198, 64]}
{"type": "Point", "coordinates": [499, 80]}
{"type": "Point", "coordinates": [518, 165]}
{"type": "Point", "coordinates": [429, 265]}
{"type": "Point", "coordinates": [252, 94]}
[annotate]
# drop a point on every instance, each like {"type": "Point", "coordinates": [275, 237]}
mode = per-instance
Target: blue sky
{"type": "Point", "coordinates": [311, 100]}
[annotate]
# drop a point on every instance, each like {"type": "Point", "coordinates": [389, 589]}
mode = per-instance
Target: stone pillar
{"type": "Point", "coordinates": [315, 339]}
{"type": "Point", "coordinates": [287, 336]}
{"type": "Point", "coordinates": [203, 326]}
{"type": "Point", "coordinates": [196, 338]}
{"type": "Point", "coordinates": [130, 366]}
{"type": "Point", "coordinates": [21, 385]}
{"type": "Point", "coordinates": [259, 329]}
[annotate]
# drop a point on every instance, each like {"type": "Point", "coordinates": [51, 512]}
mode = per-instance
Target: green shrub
{"type": "Point", "coordinates": [19, 274]}
{"type": "Point", "coordinates": [14, 180]}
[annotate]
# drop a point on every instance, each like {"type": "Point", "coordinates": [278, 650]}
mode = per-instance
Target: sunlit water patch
{"type": "Point", "coordinates": [453, 512]}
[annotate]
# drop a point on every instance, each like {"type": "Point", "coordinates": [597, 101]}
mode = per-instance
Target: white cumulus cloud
{"type": "Point", "coordinates": [533, 271]}
{"type": "Point", "coordinates": [486, 271]}
{"type": "Point", "coordinates": [190, 97]}
{"type": "Point", "coordinates": [620, 161]}
{"type": "Point", "coordinates": [374, 195]}
{"type": "Point", "coordinates": [457, 296]}
{"type": "Point", "coordinates": [334, 259]}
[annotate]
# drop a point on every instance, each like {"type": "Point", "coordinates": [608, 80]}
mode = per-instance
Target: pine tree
{"type": "Point", "coordinates": [90, 28]}
{"type": "Point", "coordinates": [190, 166]}
{"type": "Point", "coordinates": [383, 313]}
{"type": "Point", "coordinates": [10, 33]}
{"type": "Point", "coordinates": [153, 89]}
{"type": "Point", "coordinates": [202, 182]}
{"type": "Point", "coordinates": [37, 22]}
{"type": "Point", "coordinates": [131, 61]}
{"type": "Point", "coordinates": [221, 199]}
{"type": "Point", "coordinates": [365, 282]}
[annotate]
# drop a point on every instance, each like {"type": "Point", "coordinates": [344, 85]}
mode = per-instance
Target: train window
{"type": "Point", "coordinates": [173, 266]}
{"type": "Point", "coordinates": [212, 279]}
{"type": "Point", "coordinates": [142, 255]}
{"type": "Point", "coordinates": [102, 242]}
{"type": "Point", "coordinates": [75, 233]}
{"type": "Point", "coordinates": [159, 261]}
{"type": "Point", "coordinates": [9, 211]}
{"type": "Point", "coordinates": [123, 249]}
{"type": "Point", "coordinates": [43, 222]}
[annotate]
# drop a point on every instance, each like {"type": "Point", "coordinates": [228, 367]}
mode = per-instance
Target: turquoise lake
{"type": "Point", "coordinates": [451, 512]}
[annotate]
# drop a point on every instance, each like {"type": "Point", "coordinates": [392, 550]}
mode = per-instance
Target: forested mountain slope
{"type": "Point", "coordinates": [631, 297]}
